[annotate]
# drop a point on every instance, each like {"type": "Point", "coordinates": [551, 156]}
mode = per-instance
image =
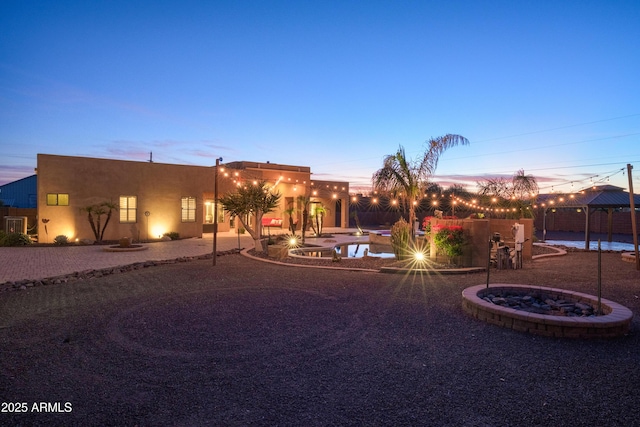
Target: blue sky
{"type": "Point", "coordinates": [551, 87]}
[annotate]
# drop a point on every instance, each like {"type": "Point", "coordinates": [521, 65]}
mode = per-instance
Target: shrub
{"type": "Point", "coordinates": [450, 239]}
{"type": "Point", "coordinates": [426, 224]}
{"type": "Point", "coordinates": [400, 238]}
{"type": "Point", "coordinates": [173, 235]}
{"type": "Point", "coordinates": [15, 239]}
{"type": "Point", "coordinates": [61, 240]}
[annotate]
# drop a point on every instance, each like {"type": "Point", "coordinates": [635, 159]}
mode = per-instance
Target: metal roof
{"type": "Point", "coordinates": [604, 196]}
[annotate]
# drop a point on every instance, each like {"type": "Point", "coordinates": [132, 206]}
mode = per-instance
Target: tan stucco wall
{"type": "Point", "coordinates": [159, 188]}
{"type": "Point", "coordinates": [88, 181]}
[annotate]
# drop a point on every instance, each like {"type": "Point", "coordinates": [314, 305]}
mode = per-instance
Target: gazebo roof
{"type": "Point", "coordinates": [603, 196]}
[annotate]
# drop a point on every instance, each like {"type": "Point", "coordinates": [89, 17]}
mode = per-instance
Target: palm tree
{"type": "Point", "coordinates": [304, 201]}
{"type": "Point", "coordinates": [519, 192]}
{"type": "Point", "coordinates": [290, 212]}
{"type": "Point", "coordinates": [407, 178]}
{"type": "Point", "coordinates": [94, 215]}
{"type": "Point", "coordinates": [318, 217]}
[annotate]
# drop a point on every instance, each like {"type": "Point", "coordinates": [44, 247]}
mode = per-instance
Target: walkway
{"type": "Point", "coordinates": [50, 261]}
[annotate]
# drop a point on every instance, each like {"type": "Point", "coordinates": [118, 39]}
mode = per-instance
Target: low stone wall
{"type": "Point", "coordinates": [479, 232]}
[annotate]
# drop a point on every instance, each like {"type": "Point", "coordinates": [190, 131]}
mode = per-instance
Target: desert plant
{"type": "Point", "coordinates": [61, 240]}
{"type": "Point", "coordinates": [317, 219]}
{"type": "Point", "coordinates": [252, 201]}
{"type": "Point", "coordinates": [15, 239]}
{"type": "Point", "coordinates": [450, 239]}
{"type": "Point", "coordinates": [292, 224]}
{"type": "Point", "coordinates": [304, 201]}
{"type": "Point", "coordinates": [400, 238]}
{"type": "Point", "coordinates": [173, 235]}
{"type": "Point", "coordinates": [94, 216]}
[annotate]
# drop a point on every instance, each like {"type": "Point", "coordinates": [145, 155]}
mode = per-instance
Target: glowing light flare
{"type": "Point", "coordinates": [158, 230]}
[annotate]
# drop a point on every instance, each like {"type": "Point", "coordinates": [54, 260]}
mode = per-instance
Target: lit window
{"type": "Point", "coordinates": [209, 210]}
{"type": "Point", "coordinates": [128, 209]}
{"type": "Point", "coordinates": [188, 209]}
{"type": "Point", "coordinates": [54, 199]}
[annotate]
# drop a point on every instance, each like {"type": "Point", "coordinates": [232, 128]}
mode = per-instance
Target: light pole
{"type": "Point", "coordinates": [215, 212]}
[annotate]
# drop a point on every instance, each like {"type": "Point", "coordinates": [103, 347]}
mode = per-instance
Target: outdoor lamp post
{"type": "Point", "coordinates": [146, 214]}
{"type": "Point", "coordinates": [215, 211]}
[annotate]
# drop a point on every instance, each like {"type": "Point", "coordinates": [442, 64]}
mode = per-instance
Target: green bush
{"type": "Point", "coordinates": [15, 239]}
{"type": "Point", "coordinates": [400, 238]}
{"type": "Point", "coordinates": [173, 235]}
{"type": "Point", "coordinates": [61, 240]}
{"type": "Point", "coordinates": [450, 239]}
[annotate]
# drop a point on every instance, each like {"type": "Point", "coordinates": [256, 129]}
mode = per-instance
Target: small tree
{"type": "Point", "coordinates": [317, 219]}
{"type": "Point", "coordinates": [94, 216]}
{"type": "Point", "coordinates": [252, 201]}
{"type": "Point", "coordinates": [304, 201]}
{"type": "Point", "coordinates": [292, 224]}
{"type": "Point", "coordinates": [518, 192]}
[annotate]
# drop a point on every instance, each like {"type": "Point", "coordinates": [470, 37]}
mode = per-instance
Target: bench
{"type": "Point", "coordinates": [272, 222]}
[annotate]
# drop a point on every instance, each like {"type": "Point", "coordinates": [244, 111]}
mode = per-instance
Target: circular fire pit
{"type": "Point", "coordinates": [615, 319]}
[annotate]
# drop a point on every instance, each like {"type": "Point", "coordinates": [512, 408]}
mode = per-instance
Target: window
{"type": "Point", "coordinates": [55, 199]}
{"type": "Point", "coordinates": [128, 209]}
{"type": "Point", "coordinates": [208, 212]}
{"type": "Point", "coordinates": [188, 209]}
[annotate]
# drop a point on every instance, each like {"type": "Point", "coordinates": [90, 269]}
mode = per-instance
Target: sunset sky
{"type": "Point", "coordinates": [551, 87]}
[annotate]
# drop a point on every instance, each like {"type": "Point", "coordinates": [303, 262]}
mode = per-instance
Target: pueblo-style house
{"type": "Point", "coordinates": [156, 198]}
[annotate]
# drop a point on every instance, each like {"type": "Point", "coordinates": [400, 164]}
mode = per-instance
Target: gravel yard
{"type": "Point", "coordinates": [253, 343]}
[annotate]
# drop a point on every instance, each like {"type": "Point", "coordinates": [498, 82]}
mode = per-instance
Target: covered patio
{"type": "Point", "coordinates": [606, 198]}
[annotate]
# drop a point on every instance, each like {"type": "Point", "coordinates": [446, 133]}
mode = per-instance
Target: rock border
{"type": "Point", "coordinates": [21, 285]}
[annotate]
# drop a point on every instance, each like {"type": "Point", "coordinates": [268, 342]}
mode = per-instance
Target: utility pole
{"type": "Point", "coordinates": [634, 228]}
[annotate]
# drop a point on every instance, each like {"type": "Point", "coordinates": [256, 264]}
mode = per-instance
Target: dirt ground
{"type": "Point", "coordinates": [252, 343]}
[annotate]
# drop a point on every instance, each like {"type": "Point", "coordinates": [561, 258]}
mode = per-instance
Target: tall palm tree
{"type": "Point", "coordinates": [406, 177]}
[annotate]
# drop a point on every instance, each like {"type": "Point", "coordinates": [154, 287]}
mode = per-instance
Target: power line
{"type": "Point", "coordinates": [558, 128]}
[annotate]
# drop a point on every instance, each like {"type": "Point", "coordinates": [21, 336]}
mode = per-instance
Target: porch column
{"type": "Point", "coordinates": [344, 212]}
{"type": "Point", "coordinates": [587, 230]}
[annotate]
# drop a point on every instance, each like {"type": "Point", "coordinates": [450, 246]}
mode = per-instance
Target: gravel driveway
{"type": "Point", "coordinates": [251, 343]}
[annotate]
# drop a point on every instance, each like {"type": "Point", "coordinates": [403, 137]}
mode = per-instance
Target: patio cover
{"type": "Point", "coordinates": [603, 197]}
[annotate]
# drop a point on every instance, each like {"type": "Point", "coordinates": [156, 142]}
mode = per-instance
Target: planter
{"type": "Point", "coordinates": [125, 242]}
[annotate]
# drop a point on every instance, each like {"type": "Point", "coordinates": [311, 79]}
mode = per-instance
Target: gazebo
{"type": "Point", "coordinates": [603, 197]}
